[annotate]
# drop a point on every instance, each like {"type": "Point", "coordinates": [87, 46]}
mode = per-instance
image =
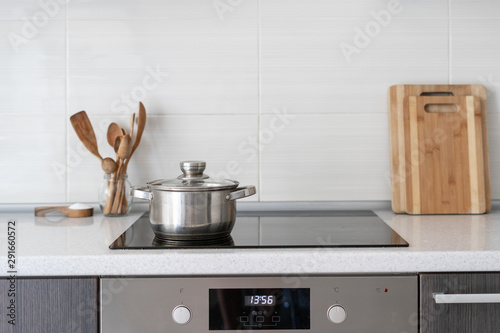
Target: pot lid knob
{"type": "Point", "coordinates": [193, 169]}
{"type": "Point", "coordinates": [193, 179]}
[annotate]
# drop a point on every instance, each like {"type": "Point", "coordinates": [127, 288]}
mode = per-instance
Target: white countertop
{"type": "Point", "coordinates": [59, 246]}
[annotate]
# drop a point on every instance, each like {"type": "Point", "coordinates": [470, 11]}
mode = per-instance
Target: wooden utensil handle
{"type": "Point", "coordinates": [44, 210]}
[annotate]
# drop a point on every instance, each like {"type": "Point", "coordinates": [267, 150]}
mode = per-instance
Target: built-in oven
{"type": "Point", "coordinates": [316, 304]}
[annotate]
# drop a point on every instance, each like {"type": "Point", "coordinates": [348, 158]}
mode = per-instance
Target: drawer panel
{"type": "Point", "coordinates": [459, 317]}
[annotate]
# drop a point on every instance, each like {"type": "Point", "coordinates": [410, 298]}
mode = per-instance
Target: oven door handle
{"type": "Point", "coordinates": [442, 298]}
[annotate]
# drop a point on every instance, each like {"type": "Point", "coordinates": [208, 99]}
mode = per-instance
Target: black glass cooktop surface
{"type": "Point", "coordinates": [333, 229]}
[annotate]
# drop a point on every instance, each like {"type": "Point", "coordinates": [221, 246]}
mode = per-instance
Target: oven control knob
{"type": "Point", "coordinates": [337, 314]}
{"type": "Point", "coordinates": [181, 314]}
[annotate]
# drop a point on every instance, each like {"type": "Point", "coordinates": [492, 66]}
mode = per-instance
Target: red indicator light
{"type": "Point", "coordinates": [386, 290]}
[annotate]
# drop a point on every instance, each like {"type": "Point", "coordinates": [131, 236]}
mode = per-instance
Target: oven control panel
{"type": "Point", "coordinates": [282, 304]}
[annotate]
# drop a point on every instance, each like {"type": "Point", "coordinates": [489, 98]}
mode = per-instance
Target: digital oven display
{"type": "Point", "coordinates": [260, 300]}
{"type": "Point", "coordinates": [259, 309]}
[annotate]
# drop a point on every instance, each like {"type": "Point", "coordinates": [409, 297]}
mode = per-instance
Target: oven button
{"type": "Point", "coordinates": [181, 314]}
{"type": "Point", "coordinates": [336, 314]}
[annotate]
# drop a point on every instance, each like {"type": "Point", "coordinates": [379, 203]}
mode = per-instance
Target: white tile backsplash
{"type": "Point", "coordinates": [475, 50]}
{"type": "Point", "coordinates": [303, 65]}
{"type": "Point", "coordinates": [36, 12]}
{"type": "Point", "coordinates": [493, 139]}
{"type": "Point", "coordinates": [326, 157]}
{"type": "Point", "coordinates": [473, 9]}
{"type": "Point", "coordinates": [33, 150]}
{"type": "Point", "coordinates": [319, 9]}
{"type": "Point", "coordinates": [261, 90]}
{"type": "Point", "coordinates": [175, 66]}
{"type": "Point", "coordinates": [32, 70]}
{"type": "Point", "coordinates": [162, 10]}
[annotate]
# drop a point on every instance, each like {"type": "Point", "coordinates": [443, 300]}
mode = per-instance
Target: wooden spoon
{"type": "Point", "coordinates": [141, 123]}
{"type": "Point", "coordinates": [85, 132]}
{"type": "Point", "coordinates": [118, 140]}
{"type": "Point", "coordinates": [123, 153]}
{"type": "Point", "coordinates": [66, 210]}
{"type": "Point", "coordinates": [108, 165]}
{"type": "Point", "coordinates": [113, 131]}
{"type": "Point", "coordinates": [118, 204]}
{"type": "Point", "coordinates": [125, 147]}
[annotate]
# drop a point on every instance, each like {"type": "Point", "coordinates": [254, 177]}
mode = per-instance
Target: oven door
{"type": "Point", "coordinates": [283, 304]}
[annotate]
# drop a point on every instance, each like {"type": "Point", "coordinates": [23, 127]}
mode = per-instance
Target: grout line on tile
{"type": "Point", "coordinates": [347, 18]}
{"type": "Point", "coordinates": [449, 41]}
{"type": "Point", "coordinates": [45, 115]}
{"type": "Point", "coordinates": [259, 221]}
{"type": "Point", "coordinates": [187, 114]}
{"type": "Point", "coordinates": [249, 18]}
{"type": "Point", "coordinates": [259, 98]}
{"type": "Point", "coordinates": [52, 115]}
{"type": "Point", "coordinates": [179, 115]}
{"type": "Point", "coordinates": [66, 103]}
{"type": "Point", "coordinates": [332, 113]}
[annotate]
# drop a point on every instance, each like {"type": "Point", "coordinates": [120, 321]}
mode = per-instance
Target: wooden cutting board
{"type": "Point", "coordinates": [445, 150]}
{"type": "Point", "coordinates": [445, 176]}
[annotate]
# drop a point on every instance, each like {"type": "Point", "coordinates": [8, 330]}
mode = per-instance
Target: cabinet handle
{"type": "Point", "coordinates": [442, 298]}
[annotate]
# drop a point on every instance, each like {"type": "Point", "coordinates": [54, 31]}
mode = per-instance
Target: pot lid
{"type": "Point", "coordinates": [193, 179]}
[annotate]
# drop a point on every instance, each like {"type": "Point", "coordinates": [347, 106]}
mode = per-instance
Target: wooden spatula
{"type": "Point", "coordinates": [85, 132]}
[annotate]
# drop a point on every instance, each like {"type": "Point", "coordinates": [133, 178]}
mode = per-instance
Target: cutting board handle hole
{"type": "Point", "coordinates": [441, 108]}
{"type": "Point", "coordinates": [437, 93]}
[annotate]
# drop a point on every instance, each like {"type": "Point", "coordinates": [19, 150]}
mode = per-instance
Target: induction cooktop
{"type": "Point", "coordinates": [279, 229]}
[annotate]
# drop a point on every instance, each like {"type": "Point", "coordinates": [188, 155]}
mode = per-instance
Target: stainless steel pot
{"type": "Point", "coordinates": [192, 206]}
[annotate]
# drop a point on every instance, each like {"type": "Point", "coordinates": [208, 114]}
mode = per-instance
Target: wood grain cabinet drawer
{"type": "Point", "coordinates": [460, 302]}
{"type": "Point", "coordinates": [52, 305]}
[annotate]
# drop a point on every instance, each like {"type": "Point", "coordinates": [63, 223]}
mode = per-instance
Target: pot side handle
{"type": "Point", "coordinates": [241, 192]}
{"type": "Point", "coordinates": [141, 192]}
